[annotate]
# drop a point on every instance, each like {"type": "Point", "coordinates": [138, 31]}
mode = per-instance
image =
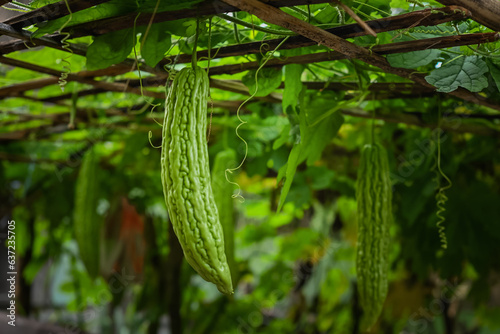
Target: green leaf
{"type": "Point", "coordinates": [400, 4]}
{"type": "Point", "coordinates": [149, 6]}
{"type": "Point", "coordinates": [495, 73]}
{"type": "Point", "coordinates": [283, 138]}
{"type": "Point", "coordinates": [413, 59]}
{"type": "Point", "coordinates": [184, 27]}
{"type": "Point", "coordinates": [293, 86]}
{"type": "Point", "coordinates": [109, 49]}
{"type": "Point", "coordinates": [41, 3]}
{"type": "Point", "coordinates": [156, 44]}
{"type": "Point", "coordinates": [268, 79]}
{"type": "Point", "coordinates": [313, 139]}
{"type": "Point", "coordinates": [327, 15]}
{"type": "Point", "coordinates": [466, 72]}
{"type": "Point", "coordinates": [291, 168]}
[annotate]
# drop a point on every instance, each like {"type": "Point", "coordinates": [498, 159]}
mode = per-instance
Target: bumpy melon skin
{"type": "Point", "coordinates": [185, 175]}
{"type": "Point", "coordinates": [86, 222]}
{"type": "Point", "coordinates": [223, 192]}
{"type": "Point", "coordinates": [374, 213]}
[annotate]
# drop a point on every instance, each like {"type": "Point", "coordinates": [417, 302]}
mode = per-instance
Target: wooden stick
{"type": "Point", "coordinates": [348, 10]}
{"type": "Point", "coordinates": [486, 12]}
{"type": "Point", "coordinates": [110, 86]}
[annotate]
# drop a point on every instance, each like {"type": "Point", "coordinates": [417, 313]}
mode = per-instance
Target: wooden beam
{"type": "Point", "coordinates": [438, 42]}
{"type": "Point", "coordinates": [26, 40]}
{"type": "Point", "coordinates": [486, 12]}
{"type": "Point", "coordinates": [109, 86]}
{"type": "Point", "coordinates": [383, 49]}
{"type": "Point", "coordinates": [17, 89]}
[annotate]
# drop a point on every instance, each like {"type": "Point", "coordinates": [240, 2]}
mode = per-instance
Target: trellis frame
{"type": "Point", "coordinates": [266, 10]}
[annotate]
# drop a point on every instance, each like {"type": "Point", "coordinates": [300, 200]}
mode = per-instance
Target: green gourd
{"type": "Point", "coordinates": [185, 175]}
{"type": "Point", "coordinates": [223, 191]}
{"type": "Point", "coordinates": [86, 222]}
{"type": "Point", "coordinates": [374, 214]}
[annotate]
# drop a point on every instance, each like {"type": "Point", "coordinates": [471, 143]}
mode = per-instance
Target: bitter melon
{"type": "Point", "coordinates": [223, 191]}
{"type": "Point", "coordinates": [374, 213]}
{"type": "Point", "coordinates": [86, 221]}
{"type": "Point", "coordinates": [186, 180]}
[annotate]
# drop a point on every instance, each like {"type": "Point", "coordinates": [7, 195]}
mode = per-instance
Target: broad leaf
{"type": "Point", "coordinates": [291, 168]}
{"type": "Point", "coordinates": [413, 59]}
{"type": "Point", "coordinates": [184, 27]}
{"type": "Point", "coordinates": [313, 139]}
{"type": "Point", "coordinates": [155, 45]}
{"type": "Point", "coordinates": [268, 79]}
{"type": "Point", "coordinates": [495, 72]}
{"type": "Point", "coordinates": [109, 49]}
{"type": "Point", "coordinates": [293, 86]}
{"type": "Point", "coordinates": [466, 72]}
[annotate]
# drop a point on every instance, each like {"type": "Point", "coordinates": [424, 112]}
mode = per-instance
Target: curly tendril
{"type": "Point", "coordinates": [441, 197]}
{"type": "Point", "coordinates": [242, 122]}
{"type": "Point", "coordinates": [63, 79]}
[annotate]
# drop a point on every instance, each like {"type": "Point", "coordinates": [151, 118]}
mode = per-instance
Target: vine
{"type": "Point", "coordinates": [63, 79]}
{"type": "Point", "coordinates": [242, 122]}
{"type": "Point", "coordinates": [441, 197]}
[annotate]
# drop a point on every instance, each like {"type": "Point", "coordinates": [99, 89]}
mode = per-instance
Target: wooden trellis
{"type": "Point", "coordinates": [335, 38]}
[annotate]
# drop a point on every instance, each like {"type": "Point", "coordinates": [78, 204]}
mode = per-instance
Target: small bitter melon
{"type": "Point", "coordinates": [223, 195]}
{"type": "Point", "coordinates": [86, 221]}
{"type": "Point", "coordinates": [374, 214]}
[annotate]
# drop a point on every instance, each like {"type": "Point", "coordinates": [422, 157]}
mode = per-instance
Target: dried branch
{"type": "Point", "coordinates": [348, 10]}
{"type": "Point", "coordinates": [109, 86]}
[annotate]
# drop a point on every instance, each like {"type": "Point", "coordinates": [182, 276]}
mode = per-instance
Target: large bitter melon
{"type": "Point", "coordinates": [186, 178]}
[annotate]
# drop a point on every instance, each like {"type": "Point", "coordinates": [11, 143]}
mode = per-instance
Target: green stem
{"type": "Point", "coordinates": [236, 34]}
{"type": "Point", "coordinates": [194, 60]}
{"type": "Point", "coordinates": [209, 42]}
{"type": "Point", "coordinates": [225, 133]}
{"type": "Point", "coordinates": [373, 127]}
